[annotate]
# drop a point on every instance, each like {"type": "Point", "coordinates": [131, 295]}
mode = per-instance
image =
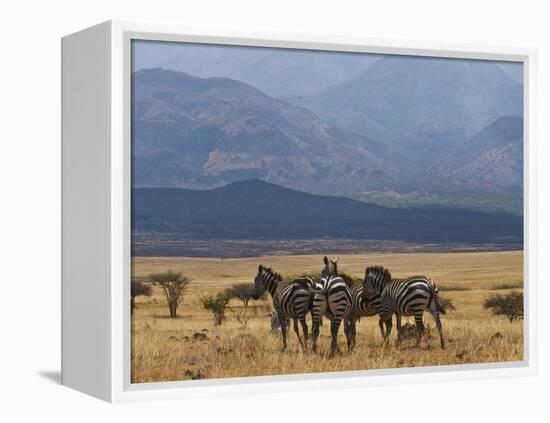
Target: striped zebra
{"type": "Point", "coordinates": [334, 301]}
{"type": "Point", "coordinates": [290, 300]}
{"type": "Point", "coordinates": [363, 305]}
{"type": "Point", "coordinates": [404, 297]}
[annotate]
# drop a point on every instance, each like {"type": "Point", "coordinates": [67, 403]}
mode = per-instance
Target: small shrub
{"type": "Point", "coordinates": [447, 303]}
{"type": "Point", "coordinates": [138, 288]}
{"type": "Point", "coordinates": [510, 305]}
{"type": "Point", "coordinates": [216, 304]}
{"type": "Point", "coordinates": [243, 293]}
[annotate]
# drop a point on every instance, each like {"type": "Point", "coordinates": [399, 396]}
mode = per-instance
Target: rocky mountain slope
{"type": "Point", "coordinates": [201, 133]}
{"type": "Point", "coordinates": [491, 161]}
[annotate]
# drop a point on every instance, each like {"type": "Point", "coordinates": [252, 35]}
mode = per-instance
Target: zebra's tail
{"type": "Point", "coordinates": [314, 290]}
{"type": "Point", "coordinates": [439, 306]}
{"type": "Point", "coordinates": [434, 296]}
{"type": "Point", "coordinates": [312, 285]}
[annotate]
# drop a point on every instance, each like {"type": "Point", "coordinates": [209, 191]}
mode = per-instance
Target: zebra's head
{"type": "Point", "coordinates": [376, 278]}
{"type": "Point", "coordinates": [330, 269]}
{"type": "Point", "coordinates": [260, 285]}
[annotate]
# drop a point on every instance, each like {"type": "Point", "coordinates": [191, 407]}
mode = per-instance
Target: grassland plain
{"type": "Point", "coordinates": [164, 349]}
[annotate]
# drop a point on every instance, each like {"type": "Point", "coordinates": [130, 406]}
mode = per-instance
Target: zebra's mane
{"type": "Point", "coordinates": [272, 273]}
{"type": "Point", "coordinates": [381, 273]}
{"type": "Point", "coordinates": [328, 265]}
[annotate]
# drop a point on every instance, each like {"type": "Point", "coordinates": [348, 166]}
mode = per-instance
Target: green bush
{"type": "Point", "coordinates": [216, 304]}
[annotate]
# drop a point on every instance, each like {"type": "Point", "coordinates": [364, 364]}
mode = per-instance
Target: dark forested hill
{"type": "Point", "coordinates": [256, 210]}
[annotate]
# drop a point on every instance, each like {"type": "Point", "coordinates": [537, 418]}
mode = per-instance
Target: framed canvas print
{"type": "Point", "coordinates": [255, 212]}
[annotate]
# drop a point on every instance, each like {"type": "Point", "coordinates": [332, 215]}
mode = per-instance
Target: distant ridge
{"type": "Point", "coordinates": [491, 160]}
{"type": "Point", "coordinates": [421, 105]}
{"type": "Point", "coordinates": [202, 133]}
{"type": "Point", "coordinates": [255, 209]}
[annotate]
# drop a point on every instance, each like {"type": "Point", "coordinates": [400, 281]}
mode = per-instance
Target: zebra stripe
{"type": "Point", "coordinates": [404, 297]}
{"type": "Point", "coordinates": [333, 301]}
{"type": "Point", "coordinates": [291, 299]}
{"type": "Point", "coordinates": [363, 305]}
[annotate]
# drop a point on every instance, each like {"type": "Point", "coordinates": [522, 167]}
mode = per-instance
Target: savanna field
{"type": "Point", "coordinates": [191, 346]}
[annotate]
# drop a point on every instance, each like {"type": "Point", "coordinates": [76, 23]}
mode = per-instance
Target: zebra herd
{"type": "Point", "coordinates": [344, 300]}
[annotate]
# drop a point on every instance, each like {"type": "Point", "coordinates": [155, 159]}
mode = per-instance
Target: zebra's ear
{"type": "Point", "coordinates": [325, 260]}
{"type": "Point", "coordinates": [260, 268]}
{"type": "Point", "coordinates": [367, 272]}
{"type": "Point", "coordinates": [335, 261]}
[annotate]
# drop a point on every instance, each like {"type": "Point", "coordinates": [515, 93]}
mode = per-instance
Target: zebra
{"type": "Point", "coordinates": [363, 305]}
{"type": "Point", "coordinates": [334, 301]}
{"type": "Point", "coordinates": [291, 299]}
{"type": "Point", "coordinates": [404, 297]}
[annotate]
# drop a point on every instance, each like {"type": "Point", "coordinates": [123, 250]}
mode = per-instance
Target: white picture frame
{"type": "Point", "coordinates": [96, 213]}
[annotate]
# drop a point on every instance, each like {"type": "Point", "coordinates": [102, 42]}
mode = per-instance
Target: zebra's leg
{"type": "Point", "coordinates": [353, 323]}
{"type": "Point", "coordinates": [419, 328]}
{"type": "Point", "coordinates": [319, 308]}
{"type": "Point", "coordinates": [297, 331]}
{"type": "Point", "coordinates": [381, 324]}
{"type": "Point", "coordinates": [347, 331]}
{"type": "Point", "coordinates": [304, 329]}
{"type": "Point", "coordinates": [388, 322]}
{"type": "Point", "coordinates": [314, 333]}
{"type": "Point", "coordinates": [334, 327]}
{"type": "Point", "coordinates": [398, 326]}
{"type": "Point", "coordinates": [349, 328]}
{"type": "Point", "coordinates": [435, 314]}
{"type": "Point", "coordinates": [284, 322]}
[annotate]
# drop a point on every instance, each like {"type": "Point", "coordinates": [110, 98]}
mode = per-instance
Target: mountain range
{"type": "Point", "coordinates": [255, 209]}
{"type": "Point", "coordinates": [201, 133]}
{"type": "Point", "coordinates": [422, 106]}
{"type": "Point", "coordinates": [279, 73]}
{"type": "Point", "coordinates": [404, 125]}
{"type": "Point", "coordinates": [491, 160]}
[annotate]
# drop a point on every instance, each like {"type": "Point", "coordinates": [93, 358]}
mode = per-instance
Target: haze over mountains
{"type": "Point", "coordinates": [353, 125]}
{"type": "Point", "coordinates": [280, 73]}
{"type": "Point", "coordinates": [420, 105]}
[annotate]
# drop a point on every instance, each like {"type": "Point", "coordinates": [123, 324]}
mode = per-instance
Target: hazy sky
{"type": "Point", "coordinates": [253, 64]}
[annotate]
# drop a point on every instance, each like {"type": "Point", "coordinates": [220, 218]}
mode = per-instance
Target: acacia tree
{"type": "Point", "coordinates": [173, 285]}
{"type": "Point", "coordinates": [138, 288]}
{"type": "Point", "coordinates": [242, 292]}
{"type": "Point", "coordinates": [510, 305]}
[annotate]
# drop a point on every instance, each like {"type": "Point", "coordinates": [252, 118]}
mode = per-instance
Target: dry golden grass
{"type": "Point", "coordinates": [163, 349]}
